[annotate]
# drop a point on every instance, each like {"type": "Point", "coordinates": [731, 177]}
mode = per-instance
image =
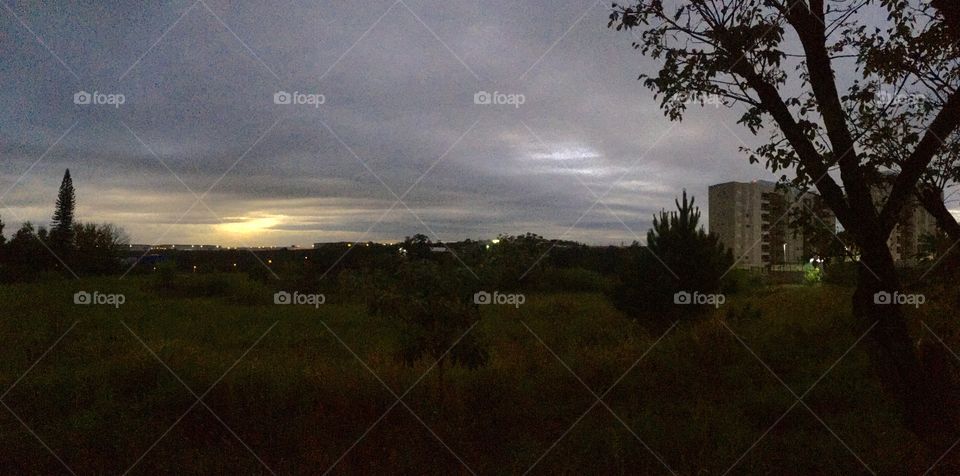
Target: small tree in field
{"type": "Point", "coordinates": [680, 256]}
{"type": "Point", "coordinates": [97, 248]}
{"type": "Point", "coordinates": [433, 310]}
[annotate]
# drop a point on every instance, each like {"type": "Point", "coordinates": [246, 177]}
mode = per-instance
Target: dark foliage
{"type": "Point", "coordinates": [679, 256]}
{"type": "Point", "coordinates": [62, 230]}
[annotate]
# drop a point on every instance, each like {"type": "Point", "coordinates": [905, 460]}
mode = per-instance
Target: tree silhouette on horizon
{"type": "Point", "coordinates": [61, 228]}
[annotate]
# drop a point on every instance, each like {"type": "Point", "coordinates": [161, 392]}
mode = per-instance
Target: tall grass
{"type": "Point", "coordinates": [300, 398]}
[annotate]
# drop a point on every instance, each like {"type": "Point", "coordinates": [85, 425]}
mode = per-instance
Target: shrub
{"type": "Point", "coordinates": [432, 307]}
{"type": "Point", "coordinates": [679, 256]}
{"type": "Point", "coordinates": [812, 274]}
{"type": "Point", "coordinates": [516, 262]}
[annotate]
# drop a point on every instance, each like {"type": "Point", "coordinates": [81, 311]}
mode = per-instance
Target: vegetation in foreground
{"type": "Point", "coordinates": [300, 399]}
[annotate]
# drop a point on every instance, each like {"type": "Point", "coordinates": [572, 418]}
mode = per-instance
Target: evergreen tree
{"type": "Point", "coordinates": [61, 233]}
{"type": "Point", "coordinates": [679, 256]}
{"type": "Point", "coordinates": [3, 240]}
{"type": "Point", "coordinates": [696, 257]}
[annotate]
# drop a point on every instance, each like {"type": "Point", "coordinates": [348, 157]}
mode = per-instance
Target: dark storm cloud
{"type": "Point", "coordinates": [398, 79]}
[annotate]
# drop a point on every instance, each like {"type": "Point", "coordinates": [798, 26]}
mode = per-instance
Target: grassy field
{"type": "Point", "coordinates": [290, 389]}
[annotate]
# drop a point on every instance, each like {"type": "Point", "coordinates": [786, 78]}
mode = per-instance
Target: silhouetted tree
{"type": "Point", "coordinates": [97, 248]}
{"type": "Point", "coordinates": [61, 232]}
{"type": "Point", "coordinates": [678, 239]}
{"type": "Point", "coordinates": [679, 256]}
{"type": "Point", "coordinates": [743, 53]}
{"type": "Point", "coordinates": [25, 255]}
{"type": "Point", "coordinates": [3, 239]}
{"type": "Point", "coordinates": [417, 246]}
{"type": "Point", "coordinates": [517, 261]}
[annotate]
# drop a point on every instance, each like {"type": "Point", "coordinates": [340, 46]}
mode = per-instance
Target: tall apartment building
{"type": "Point", "coordinates": [753, 219]}
{"type": "Point", "coordinates": [914, 222]}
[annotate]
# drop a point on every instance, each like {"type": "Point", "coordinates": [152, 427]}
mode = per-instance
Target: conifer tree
{"type": "Point", "coordinates": [61, 232]}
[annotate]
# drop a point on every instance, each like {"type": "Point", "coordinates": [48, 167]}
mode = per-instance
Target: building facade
{"type": "Point", "coordinates": [914, 222]}
{"type": "Point", "coordinates": [754, 220]}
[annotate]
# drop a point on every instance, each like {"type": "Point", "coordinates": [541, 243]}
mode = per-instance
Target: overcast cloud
{"type": "Point", "coordinates": [399, 81]}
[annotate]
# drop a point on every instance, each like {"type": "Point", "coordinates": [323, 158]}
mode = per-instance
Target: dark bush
{"type": "Point", "coordinates": [679, 257]}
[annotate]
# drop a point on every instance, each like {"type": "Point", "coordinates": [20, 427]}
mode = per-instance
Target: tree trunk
{"type": "Point", "coordinates": [889, 344]}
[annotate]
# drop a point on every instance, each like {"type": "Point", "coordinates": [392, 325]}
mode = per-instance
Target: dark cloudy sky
{"type": "Point", "coordinates": [399, 80]}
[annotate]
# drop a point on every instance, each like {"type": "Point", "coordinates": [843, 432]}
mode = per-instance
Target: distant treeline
{"type": "Point", "coordinates": [67, 247]}
{"type": "Point", "coordinates": [510, 261]}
